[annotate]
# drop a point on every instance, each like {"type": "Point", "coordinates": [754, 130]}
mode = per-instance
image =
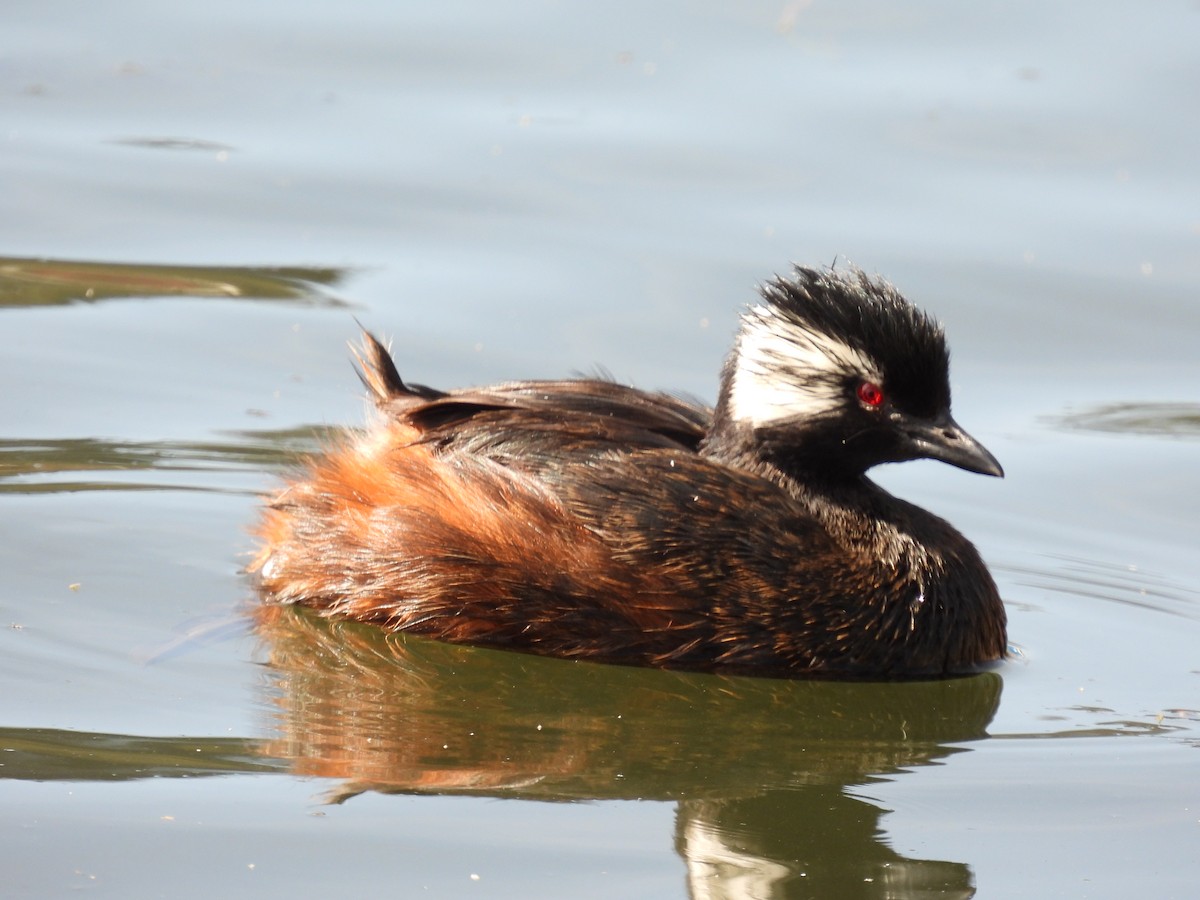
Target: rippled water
{"type": "Point", "coordinates": [199, 203]}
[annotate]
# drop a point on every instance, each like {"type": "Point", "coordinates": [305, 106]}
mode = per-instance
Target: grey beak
{"type": "Point", "coordinates": [945, 440]}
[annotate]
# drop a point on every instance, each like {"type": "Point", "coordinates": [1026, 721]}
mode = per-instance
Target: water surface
{"type": "Point", "coordinates": [198, 204]}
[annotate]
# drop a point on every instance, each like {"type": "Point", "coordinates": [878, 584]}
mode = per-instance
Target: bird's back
{"type": "Point", "coordinates": [571, 518]}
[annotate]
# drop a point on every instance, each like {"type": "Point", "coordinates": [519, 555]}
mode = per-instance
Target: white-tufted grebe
{"type": "Point", "coordinates": [585, 519]}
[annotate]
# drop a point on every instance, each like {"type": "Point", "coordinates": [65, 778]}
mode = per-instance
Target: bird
{"type": "Point", "coordinates": [588, 520]}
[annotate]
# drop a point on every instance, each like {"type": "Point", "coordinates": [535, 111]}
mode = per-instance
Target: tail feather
{"type": "Point", "coordinates": [379, 375]}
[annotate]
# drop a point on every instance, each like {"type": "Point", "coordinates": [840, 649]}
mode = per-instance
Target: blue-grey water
{"type": "Point", "coordinates": [197, 201]}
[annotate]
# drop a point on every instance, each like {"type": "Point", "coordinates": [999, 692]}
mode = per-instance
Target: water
{"type": "Point", "coordinates": [198, 202]}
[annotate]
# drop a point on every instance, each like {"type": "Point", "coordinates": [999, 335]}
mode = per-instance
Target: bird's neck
{"type": "Point", "coordinates": [861, 516]}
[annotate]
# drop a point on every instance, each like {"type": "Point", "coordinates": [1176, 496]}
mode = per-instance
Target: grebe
{"type": "Point", "coordinates": [585, 519]}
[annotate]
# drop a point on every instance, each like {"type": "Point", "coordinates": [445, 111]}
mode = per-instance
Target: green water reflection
{"type": "Point", "coordinates": [49, 282]}
{"type": "Point", "coordinates": [1175, 420]}
{"type": "Point", "coordinates": [51, 754]}
{"type": "Point", "coordinates": [47, 465]}
{"type": "Point", "coordinates": [762, 771]}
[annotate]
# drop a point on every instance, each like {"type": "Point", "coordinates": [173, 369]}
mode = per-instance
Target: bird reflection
{"type": "Point", "coordinates": [762, 770]}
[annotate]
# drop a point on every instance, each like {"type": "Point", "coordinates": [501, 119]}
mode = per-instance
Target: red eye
{"type": "Point", "coordinates": [870, 393]}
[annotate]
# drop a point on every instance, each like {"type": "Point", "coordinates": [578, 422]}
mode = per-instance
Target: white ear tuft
{"type": "Point", "coordinates": [783, 370]}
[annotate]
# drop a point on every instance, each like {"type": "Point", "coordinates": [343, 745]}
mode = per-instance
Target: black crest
{"type": "Point", "coordinates": [869, 315]}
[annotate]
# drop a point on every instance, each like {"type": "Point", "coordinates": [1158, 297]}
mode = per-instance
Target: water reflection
{"type": "Point", "coordinates": [55, 754]}
{"type": "Point", "coordinates": [818, 842]}
{"type": "Point", "coordinates": [766, 775]}
{"type": "Point", "coordinates": [1179, 420]}
{"type": "Point", "coordinates": [760, 769]}
{"type": "Point", "coordinates": [50, 465]}
{"type": "Point", "coordinates": [50, 282]}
